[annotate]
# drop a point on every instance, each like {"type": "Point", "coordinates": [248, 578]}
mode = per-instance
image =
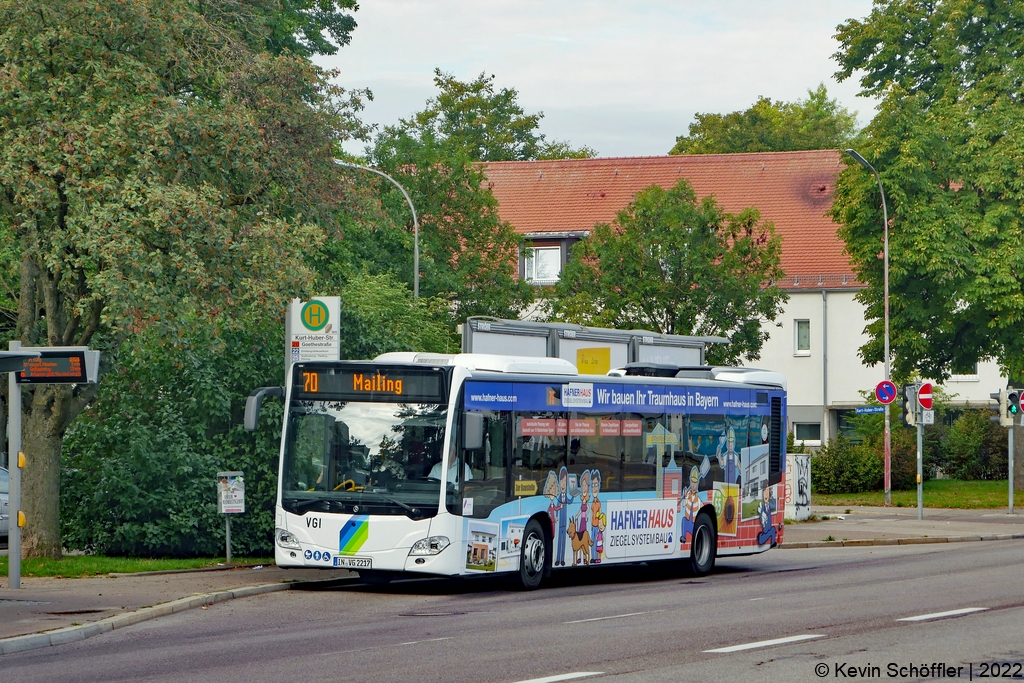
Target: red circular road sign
{"type": "Point", "coordinates": [885, 392]}
{"type": "Point", "coordinates": [924, 396]}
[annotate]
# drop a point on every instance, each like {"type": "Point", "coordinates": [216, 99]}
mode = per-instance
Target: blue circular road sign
{"type": "Point", "coordinates": [885, 392]}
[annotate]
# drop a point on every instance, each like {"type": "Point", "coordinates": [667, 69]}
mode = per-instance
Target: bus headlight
{"type": "Point", "coordinates": [286, 539]}
{"type": "Point", "coordinates": [429, 546]}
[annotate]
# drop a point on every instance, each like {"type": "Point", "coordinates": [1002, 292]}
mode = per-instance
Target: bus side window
{"type": "Point", "coordinates": [637, 461]}
{"type": "Point", "coordinates": [488, 466]}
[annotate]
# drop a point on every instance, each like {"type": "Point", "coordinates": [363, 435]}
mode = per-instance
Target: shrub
{"type": "Point", "coordinates": [975, 448]}
{"type": "Point", "coordinates": [139, 466]}
{"type": "Point", "coordinates": [841, 467]}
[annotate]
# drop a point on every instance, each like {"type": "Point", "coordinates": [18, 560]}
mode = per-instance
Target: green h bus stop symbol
{"type": "Point", "coordinates": [314, 316]}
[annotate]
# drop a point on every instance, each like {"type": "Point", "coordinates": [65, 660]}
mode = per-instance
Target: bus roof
{"type": "Point", "coordinates": [530, 365]}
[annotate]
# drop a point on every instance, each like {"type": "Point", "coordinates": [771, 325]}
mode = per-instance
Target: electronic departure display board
{"type": "Point", "coordinates": [55, 367]}
{"type": "Point", "coordinates": [374, 383]}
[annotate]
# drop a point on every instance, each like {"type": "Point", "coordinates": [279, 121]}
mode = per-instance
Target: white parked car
{"type": "Point", "coordinates": [5, 505]}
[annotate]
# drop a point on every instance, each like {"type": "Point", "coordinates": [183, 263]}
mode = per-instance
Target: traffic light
{"type": "Point", "coordinates": [1005, 419]}
{"type": "Point", "coordinates": [908, 405]}
{"type": "Point", "coordinates": [1013, 400]}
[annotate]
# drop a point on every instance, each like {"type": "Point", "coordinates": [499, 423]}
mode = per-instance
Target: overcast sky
{"type": "Point", "coordinates": [624, 77]}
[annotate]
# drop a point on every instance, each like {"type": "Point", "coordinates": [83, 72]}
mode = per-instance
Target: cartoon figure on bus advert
{"type": "Point", "coordinates": [564, 499]}
{"type": "Point", "coordinates": [689, 505]}
{"type": "Point", "coordinates": [551, 493]}
{"type": "Point", "coordinates": [764, 512]}
{"type": "Point", "coordinates": [596, 517]}
{"type": "Point", "coordinates": [579, 527]}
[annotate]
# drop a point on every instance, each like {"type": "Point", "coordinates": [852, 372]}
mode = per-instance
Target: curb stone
{"type": "Point", "coordinates": [71, 634]}
{"type": "Point", "coordinates": [900, 541]}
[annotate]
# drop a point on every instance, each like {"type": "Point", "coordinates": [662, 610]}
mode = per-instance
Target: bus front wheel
{"type": "Point", "coordinates": [533, 556]}
{"type": "Point", "coordinates": [704, 546]}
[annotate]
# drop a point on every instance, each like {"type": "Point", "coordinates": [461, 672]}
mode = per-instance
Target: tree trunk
{"type": "Point", "coordinates": [43, 426]}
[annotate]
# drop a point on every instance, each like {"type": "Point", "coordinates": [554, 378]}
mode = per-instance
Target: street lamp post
{"type": "Point", "coordinates": [885, 279]}
{"type": "Point", "coordinates": [415, 223]}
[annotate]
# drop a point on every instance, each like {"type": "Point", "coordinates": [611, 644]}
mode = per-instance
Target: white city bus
{"type": "Point", "coordinates": [475, 464]}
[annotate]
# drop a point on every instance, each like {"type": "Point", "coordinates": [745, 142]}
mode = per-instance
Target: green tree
{"type": "Point", "coordinates": [815, 123]}
{"type": "Point", "coordinates": [150, 163]}
{"type": "Point", "coordinates": [676, 265]}
{"type": "Point", "coordinates": [299, 26]}
{"type": "Point", "coordinates": [947, 142]}
{"type": "Point", "coordinates": [485, 124]}
{"type": "Point", "coordinates": [468, 255]}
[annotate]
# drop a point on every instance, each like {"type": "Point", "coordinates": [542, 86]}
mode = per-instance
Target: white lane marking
{"type": "Point", "coordinates": [428, 640]}
{"type": "Point", "coordinates": [940, 615]}
{"type": "Point", "coordinates": [767, 643]}
{"type": "Point", "coordinates": [617, 616]}
{"type": "Point", "coordinates": [563, 677]}
{"type": "Point", "coordinates": [752, 599]}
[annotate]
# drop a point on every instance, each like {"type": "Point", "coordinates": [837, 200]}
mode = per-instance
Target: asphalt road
{"type": "Point", "coordinates": [630, 624]}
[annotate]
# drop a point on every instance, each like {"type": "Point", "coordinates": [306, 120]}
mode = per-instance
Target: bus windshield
{"type": "Point", "coordinates": [363, 457]}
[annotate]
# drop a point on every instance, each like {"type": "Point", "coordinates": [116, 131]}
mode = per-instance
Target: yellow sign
{"type": "Point", "coordinates": [596, 361]}
{"type": "Point", "coordinates": [525, 488]}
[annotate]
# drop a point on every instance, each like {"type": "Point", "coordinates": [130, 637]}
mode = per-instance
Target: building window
{"type": "Point", "coordinates": [969, 377]}
{"type": "Point", "coordinates": [807, 432]}
{"type": "Point", "coordinates": [542, 264]}
{"type": "Point", "coordinates": [803, 338]}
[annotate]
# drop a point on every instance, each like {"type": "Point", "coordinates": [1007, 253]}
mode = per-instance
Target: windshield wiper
{"type": "Point", "coordinates": [299, 504]}
{"type": "Point", "coordinates": [412, 513]}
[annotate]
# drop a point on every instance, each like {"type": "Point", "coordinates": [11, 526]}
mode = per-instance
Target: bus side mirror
{"type": "Point", "coordinates": [472, 431]}
{"type": "Point", "coordinates": [255, 402]}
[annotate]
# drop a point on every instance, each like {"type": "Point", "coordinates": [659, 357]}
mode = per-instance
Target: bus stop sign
{"type": "Point", "coordinates": [60, 365]}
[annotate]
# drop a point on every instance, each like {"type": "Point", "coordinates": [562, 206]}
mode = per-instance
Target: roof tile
{"type": "Point", "coordinates": [791, 189]}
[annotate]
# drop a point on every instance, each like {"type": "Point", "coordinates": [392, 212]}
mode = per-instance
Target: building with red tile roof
{"type": "Point", "coordinates": [815, 341]}
{"type": "Point", "coordinates": [563, 199]}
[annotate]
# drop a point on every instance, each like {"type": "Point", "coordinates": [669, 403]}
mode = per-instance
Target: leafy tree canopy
{"type": "Point", "coordinates": [676, 265]}
{"type": "Point", "coordinates": [299, 25]}
{"type": "Point", "coordinates": [485, 124]}
{"type": "Point", "coordinates": [150, 160]}
{"type": "Point", "coordinates": [468, 256]}
{"type": "Point", "coordinates": [947, 142]}
{"type": "Point", "coordinates": [815, 123]}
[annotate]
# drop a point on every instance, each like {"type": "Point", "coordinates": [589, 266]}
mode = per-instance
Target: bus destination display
{"type": "Point", "coordinates": [368, 384]}
{"type": "Point", "coordinates": [68, 368]}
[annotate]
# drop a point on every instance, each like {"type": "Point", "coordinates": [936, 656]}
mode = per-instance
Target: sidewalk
{"type": "Point", "coordinates": [898, 526]}
{"type": "Point", "coordinates": [73, 609]}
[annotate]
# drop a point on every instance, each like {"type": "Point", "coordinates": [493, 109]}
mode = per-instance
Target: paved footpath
{"type": "Point", "coordinates": [48, 611]}
{"type": "Point", "coordinates": [63, 610]}
{"type": "Point", "coordinates": [897, 526]}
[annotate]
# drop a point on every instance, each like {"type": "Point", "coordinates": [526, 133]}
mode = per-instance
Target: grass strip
{"type": "Point", "coordinates": [936, 493]}
{"type": "Point", "coordinates": [78, 566]}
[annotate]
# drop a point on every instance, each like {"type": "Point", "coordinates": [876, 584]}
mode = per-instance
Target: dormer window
{"type": "Point", "coordinates": [542, 265]}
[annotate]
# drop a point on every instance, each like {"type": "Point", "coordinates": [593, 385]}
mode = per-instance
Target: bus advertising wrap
{"type": "Point", "coordinates": [604, 398]}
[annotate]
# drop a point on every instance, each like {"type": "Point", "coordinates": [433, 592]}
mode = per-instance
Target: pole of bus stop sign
{"type": "Point", "coordinates": [15, 460]}
{"type": "Point", "coordinates": [34, 365]}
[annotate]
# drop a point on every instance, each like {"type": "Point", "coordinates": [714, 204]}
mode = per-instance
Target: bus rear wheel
{"type": "Point", "coordinates": [704, 546]}
{"type": "Point", "coordinates": [533, 556]}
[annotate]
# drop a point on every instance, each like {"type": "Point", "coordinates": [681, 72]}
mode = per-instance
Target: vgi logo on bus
{"type": "Point", "coordinates": [640, 528]}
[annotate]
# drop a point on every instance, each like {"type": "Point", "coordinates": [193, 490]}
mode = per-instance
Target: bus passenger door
{"type": "Point", "coordinates": [484, 471]}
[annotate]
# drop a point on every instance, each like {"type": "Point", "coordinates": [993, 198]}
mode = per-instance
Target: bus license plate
{"type": "Point", "coordinates": [353, 562]}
